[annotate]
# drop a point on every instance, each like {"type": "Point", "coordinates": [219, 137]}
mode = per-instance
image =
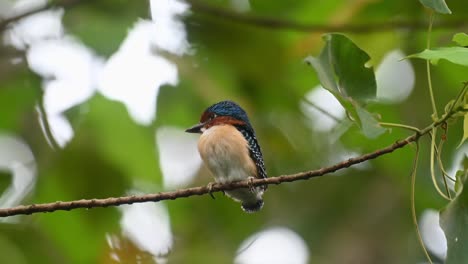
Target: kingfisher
{"type": "Point", "coordinates": [229, 148]}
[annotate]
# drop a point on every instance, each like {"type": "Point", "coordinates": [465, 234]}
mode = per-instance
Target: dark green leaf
{"type": "Point", "coordinates": [341, 70]}
{"type": "Point", "coordinates": [357, 80]}
{"type": "Point", "coordinates": [457, 55]}
{"type": "Point", "coordinates": [437, 5]}
{"type": "Point", "coordinates": [326, 76]}
{"type": "Point", "coordinates": [454, 222]}
{"type": "Point", "coordinates": [341, 67]}
{"type": "Point", "coordinates": [461, 39]}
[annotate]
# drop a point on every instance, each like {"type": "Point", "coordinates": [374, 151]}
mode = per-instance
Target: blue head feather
{"type": "Point", "coordinates": [229, 108]}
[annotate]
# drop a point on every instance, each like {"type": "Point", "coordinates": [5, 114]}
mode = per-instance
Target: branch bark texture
{"type": "Point", "coordinates": [182, 193]}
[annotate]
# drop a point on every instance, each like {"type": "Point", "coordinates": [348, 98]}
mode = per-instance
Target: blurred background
{"type": "Point", "coordinates": [95, 97]}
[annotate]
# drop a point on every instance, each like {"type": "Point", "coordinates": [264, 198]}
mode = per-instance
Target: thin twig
{"type": "Point", "coordinates": [278, 24]}
{"type": "Point", "coordinates": [50, 4]}
{"type": "Point", "coordinates": [432, 164]}
{"type": "Point", "coordinates": [44, 122]}
{"type": "Point", "coordinates": [267, 22]}
{"type": "Point", "coordinates": [323, 111]}
{"type": "Point", "coordinates": [216, 187]}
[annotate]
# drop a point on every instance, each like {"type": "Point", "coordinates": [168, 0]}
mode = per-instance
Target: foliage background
{"type": "Point", "coordinates": [357, 216]}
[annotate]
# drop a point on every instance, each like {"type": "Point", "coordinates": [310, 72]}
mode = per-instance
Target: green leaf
{"type": "Point", "coordinates": [461, 176]}
{"type": "Point", "coordinates": [341, 70]}
{"type": "Point", "coordinates": [357, 80]}
{"type": "Point", "coordinates": [465, 129]}
{"type": "Point", "coordinates": [461, 39]}
{"type": "Point", "coordinates": [457, 55]}
{"type": "Point", "coordinates": [465, 163]}
{"type": "Point", "coordinates": [454, 222]}
{"type": "Point", "coordinates": [324, 71]}
{"type": "Point", "coordinates": [326, 76]}
{"type": "Point", "coordinates": [437, 5]}
{"type": "Point", "coordinates": [341, 67]}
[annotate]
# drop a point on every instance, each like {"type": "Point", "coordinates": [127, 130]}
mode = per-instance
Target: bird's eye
{"type": "Point", "coordinates": [213, 116]}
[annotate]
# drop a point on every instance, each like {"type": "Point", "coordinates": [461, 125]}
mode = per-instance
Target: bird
{"type": "Point", "coordinates": [229, 148]}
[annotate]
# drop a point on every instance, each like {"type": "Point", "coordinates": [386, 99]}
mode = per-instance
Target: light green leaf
{"type": "Point", "coordinates": [465, 163]}
{"type": "Point", "coordinates": [458, 186]}
{"type": "Point", "coordinates": [461, 176]}
{"type": "Point", "coordinates": [437, 5]}
{"type": "Point", "coordinates": [457, 55]}
{"type": "Point", "coordinates": [454, 222]}
{"type": "Point", "coordinates": [461, 39]}
{"type": "Point", "coordinates": [324, 71]}
{"type": "Point", "coordinates": [370, 125]}
{"type": "Point", "coordinates": [465, 129]}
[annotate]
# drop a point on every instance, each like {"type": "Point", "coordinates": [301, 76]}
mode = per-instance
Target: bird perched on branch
{"type": "Point", "coordinates": [230, 150]}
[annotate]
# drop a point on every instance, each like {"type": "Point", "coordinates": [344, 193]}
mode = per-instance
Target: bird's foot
{"type": "Point", "coordinates": [251, 186]}
{"type": "Point", "coordinates": [210, 189]}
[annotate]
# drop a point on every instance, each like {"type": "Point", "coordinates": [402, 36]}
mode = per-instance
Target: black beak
{"type": "Point", "coordinates": [195, 129]}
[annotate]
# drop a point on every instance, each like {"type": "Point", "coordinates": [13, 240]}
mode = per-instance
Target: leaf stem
{"type": "Point", "coordinates": [441, 165]}
{"type": "Point", "coordinates": [44, 122]}
{"type": "Point", "coordinates": [439, 160]}
{"type": "Point", "coordinates": [433, 175]}
{"type": "Point", "coordinates": [428, 67]}
{"type": "Point", "coordinates": [385, 124]}
{"type": "Point", "coordinates": [413, 204]}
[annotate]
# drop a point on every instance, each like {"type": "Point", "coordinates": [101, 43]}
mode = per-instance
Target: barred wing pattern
{"type": "Point", "coordinates": [255, 151]}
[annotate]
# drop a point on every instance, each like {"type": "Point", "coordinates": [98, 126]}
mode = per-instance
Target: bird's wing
{"type": "Point", "coordinates": [255, 152]}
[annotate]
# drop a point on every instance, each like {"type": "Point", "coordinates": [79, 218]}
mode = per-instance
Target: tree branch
{"type": "Point", "coordinates": [278, 24]}
{"type": "Point", "coordinates": [217, 187]}
{"type": "Point", "coordinates": [265, 22]}
{"type": "Point", "coordinates": [50, 4]}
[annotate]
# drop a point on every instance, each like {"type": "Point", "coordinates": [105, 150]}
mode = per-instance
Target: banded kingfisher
{"type": "Point", "coordinates": [229, 148]}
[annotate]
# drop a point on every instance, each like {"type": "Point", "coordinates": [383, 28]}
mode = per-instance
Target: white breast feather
{"type": "Point", "coordinates": [225, 152]}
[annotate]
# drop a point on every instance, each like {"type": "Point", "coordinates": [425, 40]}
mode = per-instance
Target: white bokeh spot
{"type": "Point", "coordinates": [68, 68]}
{"type": "Point", "coordinates": [148, 226]}
{"type": "Point", "coordinates": [70, 71]}
{"type": "Point", "coordinates": [134, 74]}
{"type": "Point", "coordinates": [395, 78]}
{"type": "Point", "coordinates": [16, 158]}
{"type": "Point", "coordinates": [174, 146]}
{"type": "Point", "coordinates": [432, 234]}
{"type": "Point", "coordinates": [170, 32]}
{"type": "Point", "coordinates": [323, 99]}
{"type": "Point", "coordinates": [275, 245]}
{"type": "Point", "coordinates": [37, 27]}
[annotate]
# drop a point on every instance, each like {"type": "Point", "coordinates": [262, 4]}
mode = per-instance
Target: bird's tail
{"type": "Point", "coordinates": [252, 207]}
